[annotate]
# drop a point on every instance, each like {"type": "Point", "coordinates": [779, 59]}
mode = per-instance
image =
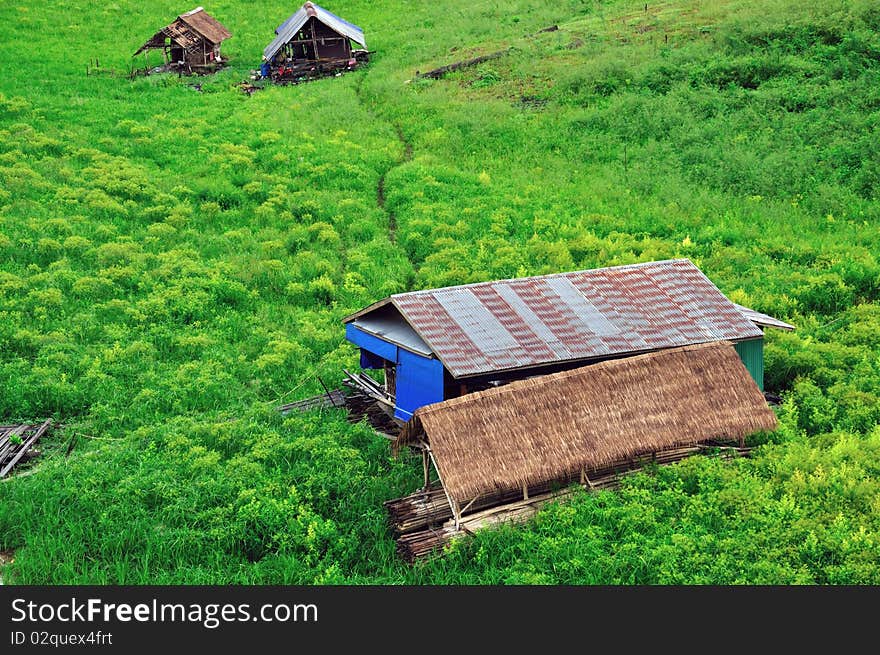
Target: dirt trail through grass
{"type": "Point", "coordinates": [406, 156]}
{"type": "Point", "coordinates": [380, 186]}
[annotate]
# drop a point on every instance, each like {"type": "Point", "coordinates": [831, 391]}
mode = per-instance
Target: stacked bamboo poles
{"type": "Point", "coordinates": [431, 507]}
{"type": "Point", "coordinates": [361, 406]}
{"type": "Point", "coordinates": [14, 451]}
{"type": "Point", "coordinates": [423, 521]}
{"type": "Point", "coordinates": [358, 405]}
{"type": "Point", "coordinates": [335, 398]}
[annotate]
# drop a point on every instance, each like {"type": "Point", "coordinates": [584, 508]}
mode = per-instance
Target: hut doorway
{"type": "Point", "coordinates": [391, 379]}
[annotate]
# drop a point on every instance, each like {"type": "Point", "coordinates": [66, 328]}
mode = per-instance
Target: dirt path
{"type": "Point", "coordinates": [406, 156]}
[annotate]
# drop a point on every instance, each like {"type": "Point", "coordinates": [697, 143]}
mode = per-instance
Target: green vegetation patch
{"type": "Point", "coordinates": [176, 262]}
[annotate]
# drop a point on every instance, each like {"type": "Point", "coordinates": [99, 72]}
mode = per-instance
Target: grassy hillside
{"type": "Point", "coordinates": [175, 262]}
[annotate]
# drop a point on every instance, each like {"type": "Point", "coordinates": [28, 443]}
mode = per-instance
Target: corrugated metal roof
{"type": "Point", "coordinates": [490, 327]}
{"type": "Point", "coordinates": [288, 29]}
{"type": "Point", "coordinates": [394, 329]}
{"type": "Point", "coordinates": [765, 320]}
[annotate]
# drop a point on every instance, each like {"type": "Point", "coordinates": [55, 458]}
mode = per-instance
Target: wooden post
{"type": "Point", "coordinates": [468, 506]}
{"type": "Point", "coordinates": [425, 469]}
{"type": "Point", "coordinates": [452, 504]}
{"type": "Point", "coordinates": [326, 390]}
{"type": "Point", "coordinates": [525, 491]}
{"type": "Point", "coordinates": [314, 40]}
{"type": "Point", "coordinates": [585, 479]}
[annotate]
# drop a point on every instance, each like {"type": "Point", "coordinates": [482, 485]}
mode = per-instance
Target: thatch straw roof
{"type": "Point", "coordinates": [550, 427]}
{"type": "Point", "coordinates": [188, 30]}
{"type": "Point", "coordinates": [206, 25]}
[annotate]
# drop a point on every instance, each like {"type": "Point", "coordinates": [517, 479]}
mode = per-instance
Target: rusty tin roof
{"type": "Point", "coordinates": [764, 320]}
{"type": "Point", "coordinates": [488, 327]}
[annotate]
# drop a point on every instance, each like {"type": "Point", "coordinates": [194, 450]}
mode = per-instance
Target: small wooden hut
{"type": "Point", "coordinates": [314, 39]}
{"type": "Point", "coordinates": [191, 42]}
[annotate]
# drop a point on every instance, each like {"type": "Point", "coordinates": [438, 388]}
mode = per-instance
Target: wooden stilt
{"type": "Point", "coordinates": [585, 480]}
{"type": "Point", "coordinates": [452, 504]}
{"type": "Point", "coordinates": [314, 41]}
{"type": "Point", "coordinates": [467, 507]}
{"type": "Point", "coordinates": [425, 469]}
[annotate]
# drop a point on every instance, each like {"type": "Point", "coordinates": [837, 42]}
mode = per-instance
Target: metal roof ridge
{"type": "Point", "coordinates": [762, 318]}
{"type": "Point", "coordinates": [552, 275]}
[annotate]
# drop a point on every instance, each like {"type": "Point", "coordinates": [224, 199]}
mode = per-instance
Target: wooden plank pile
{"type": "Point", "coordinates": [17, 444]}
{"type": "Point", "coordinates": [356, 402]}
{"type": "Point", "coordinates": [423, 523]}
{"type": "Point", "coordinates": [360, 407]}
{"type": "Point", "coordinates": [363, 383]}
{"type": "Point", "coordinates": [335, 398]}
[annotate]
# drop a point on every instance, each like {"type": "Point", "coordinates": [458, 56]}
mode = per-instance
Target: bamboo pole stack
{"type": "Point", "coordinates": [358, 404]}
{"type": "Point", "coordinates": [17, 442]}
{"type": "Point", "coordinates": [335, 398]}
{"type": "Point", "coordinates": [423, 522]}
{"type": "Point", "coordinates": [361, 406]}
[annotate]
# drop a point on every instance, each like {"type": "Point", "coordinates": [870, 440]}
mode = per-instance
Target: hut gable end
{"type": "Point", "coordinates": [331, 32]}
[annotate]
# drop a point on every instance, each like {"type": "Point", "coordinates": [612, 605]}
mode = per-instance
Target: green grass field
{"type": "Point", "coordinates": [175, 263]}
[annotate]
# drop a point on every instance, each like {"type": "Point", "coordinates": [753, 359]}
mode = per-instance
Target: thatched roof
{"type": "Point", "coordinates": [549, 428]}
{"type": "Point", "coordinates": [188, 30]}
{"type": "Point", "coordinates": [206, 25]}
